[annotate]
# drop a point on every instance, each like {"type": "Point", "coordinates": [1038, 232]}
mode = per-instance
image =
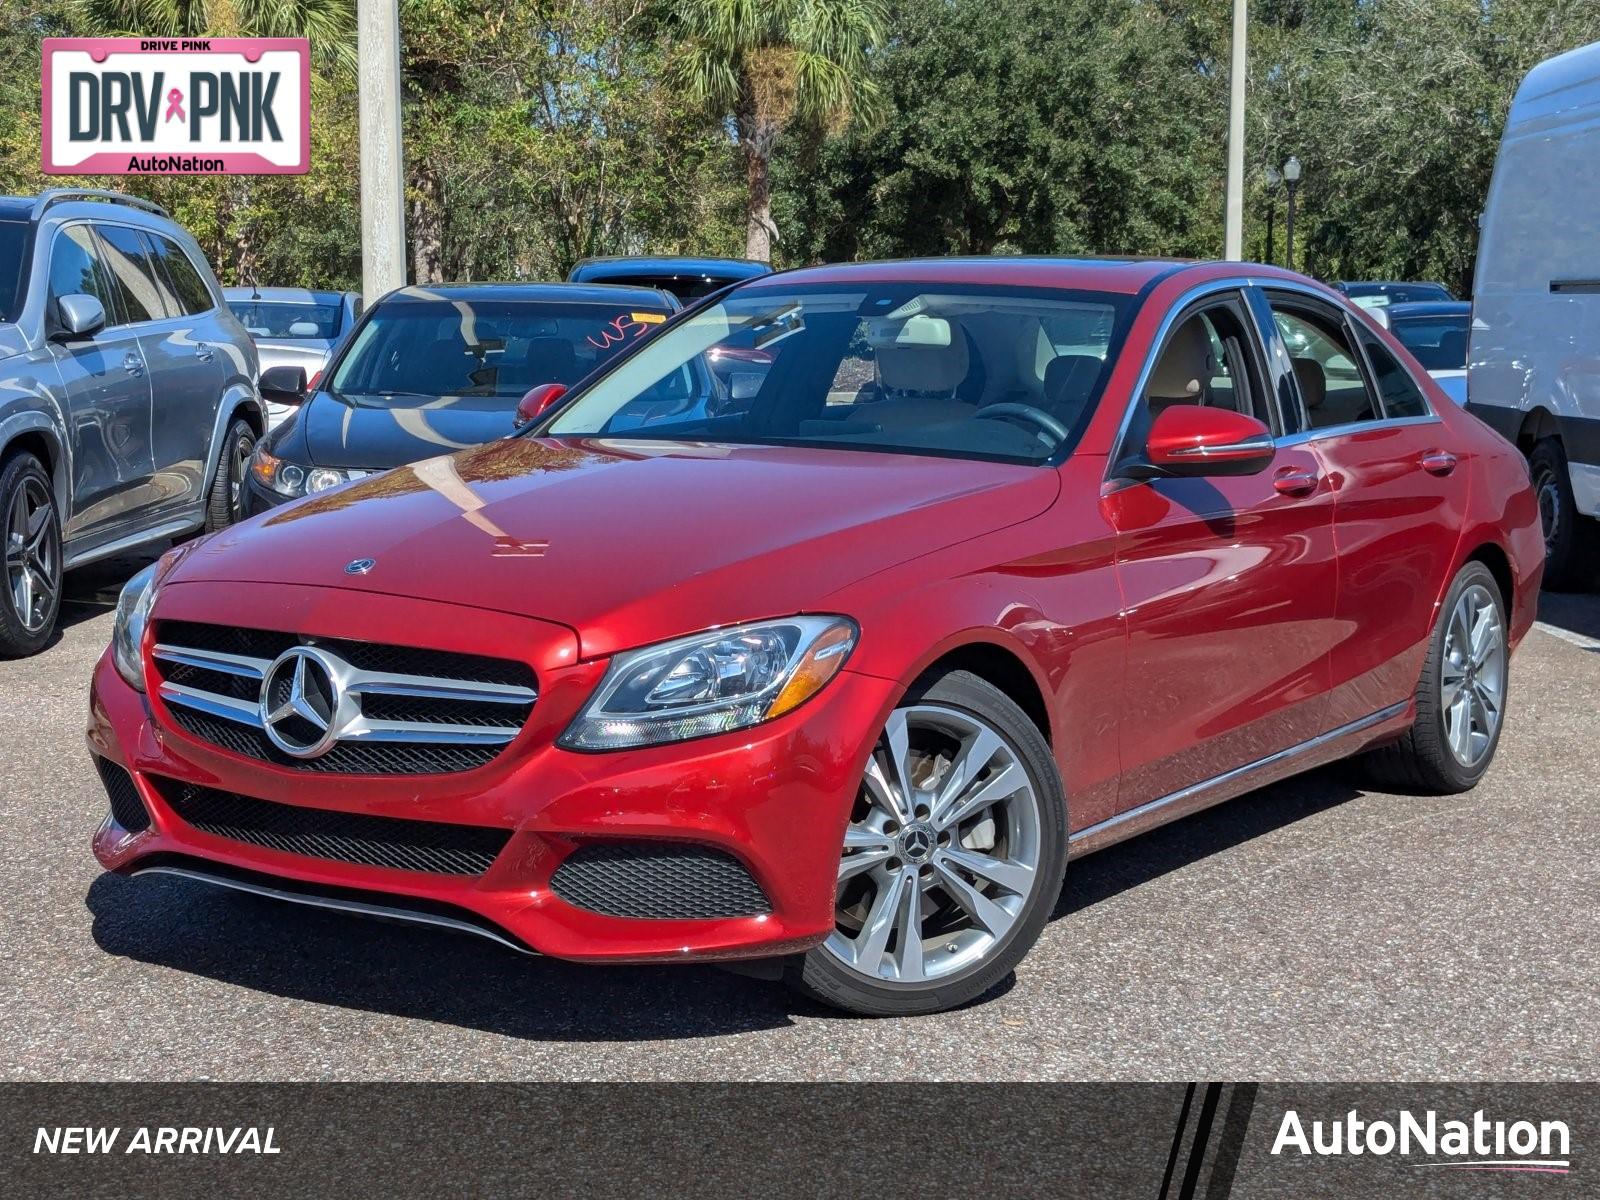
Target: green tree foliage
{"type": "Point", "coordinates": [766, 63]}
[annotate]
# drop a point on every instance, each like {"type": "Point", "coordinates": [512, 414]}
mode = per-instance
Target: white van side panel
{"type": "Point", "coordinates": [1536, 303]}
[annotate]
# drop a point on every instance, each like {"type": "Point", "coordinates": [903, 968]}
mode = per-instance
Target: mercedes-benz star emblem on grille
{"type": "Point", "coordinates": [304, 706]}
{"type": "Point", "coordinates": [360, 566]}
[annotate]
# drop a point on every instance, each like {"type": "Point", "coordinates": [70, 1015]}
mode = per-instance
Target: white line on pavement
{"type": "Point", "coordinates": [1566, 635]}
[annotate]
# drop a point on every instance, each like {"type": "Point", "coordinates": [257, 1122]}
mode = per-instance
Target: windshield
{"type": "Point", "coordinates": [1010, 375]}
{"type": "Point", "coordinates": [1438, 343]}
{"type": "Point", "coordinates": [13, 241]}
{"type": "Point", "coordinates": [287, 319]}
{"type": "Point", "coordinates": [497, 348]}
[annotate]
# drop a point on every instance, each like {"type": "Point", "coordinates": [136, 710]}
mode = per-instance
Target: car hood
{"type": "Point", "coordinates": [627, 542]}
{"type": "Point", "coordinates": [389, 432]}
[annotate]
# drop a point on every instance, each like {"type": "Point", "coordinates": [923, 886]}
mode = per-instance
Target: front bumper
{"type": "Point", "coordinates": [776, 798]}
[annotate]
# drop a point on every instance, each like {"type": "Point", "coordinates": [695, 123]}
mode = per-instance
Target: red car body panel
{"type": "Point", "coordinates": [1175, 632]}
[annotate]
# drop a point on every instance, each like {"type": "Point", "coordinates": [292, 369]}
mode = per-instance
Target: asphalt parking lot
{"type": "Point", "coordinates": [1309, 931]}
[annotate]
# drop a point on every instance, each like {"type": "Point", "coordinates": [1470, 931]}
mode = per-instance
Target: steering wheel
{"type": "Point", "coordinates": [1027, 412]}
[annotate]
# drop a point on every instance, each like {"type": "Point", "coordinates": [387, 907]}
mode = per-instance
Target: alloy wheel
{"type": "Point", "coordinates": [32, 554]}
{"type": "Point", "coordinates": [942, 852]}
{"type": "Point", "coordinates": [1472, 678]}
{"type": "Point", "coordinates": [243, 447]}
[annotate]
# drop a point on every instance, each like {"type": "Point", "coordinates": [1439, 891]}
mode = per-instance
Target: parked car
{"type": "Point", "coordinates": [686, 278]}
{"type": "Point", "coordinates": [1535, 371]}
{"type": "Point", "coordinates": [1370, 294]}
{"type": "Point", "coordinates": [128, 407]}
{"type": "Point", "coordinates": [432, 370]}
{"type": "Point", "coordinates": [293, 327]}
{"type": "Point", "coordinates": [1436, 332]}
{"type": "Point", "coordinates": [843, 675]}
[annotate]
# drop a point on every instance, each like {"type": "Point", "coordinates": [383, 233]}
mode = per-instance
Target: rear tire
{"type": "Point", "coordinates": [226, 504]}
{"type": "Point", "coordinates": [30, 579]}
{"type": "Point", "coordinates": [1571, 540]}
{"type": "Point", "coordinates": [958, 887]}
{"type": "Point", "coordinates": [1462, 682]}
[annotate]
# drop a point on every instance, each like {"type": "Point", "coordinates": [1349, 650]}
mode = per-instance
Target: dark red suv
{"type": "Point", "coordinates": [991, 563]}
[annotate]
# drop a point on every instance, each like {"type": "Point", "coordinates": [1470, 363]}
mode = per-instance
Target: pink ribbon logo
{"type": "Point", "coordinates": [175, 105]}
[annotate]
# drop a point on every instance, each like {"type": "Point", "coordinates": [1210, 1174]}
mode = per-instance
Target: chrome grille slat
{"type": "Point", "coordinates": [426, 723]}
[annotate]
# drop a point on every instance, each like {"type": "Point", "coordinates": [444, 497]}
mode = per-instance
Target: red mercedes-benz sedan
{"type": "Point", "coordinates": [837, 661]}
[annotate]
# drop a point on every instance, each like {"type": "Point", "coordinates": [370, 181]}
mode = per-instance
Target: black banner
{"type": "Point", "coordinates": [1161, 1141]}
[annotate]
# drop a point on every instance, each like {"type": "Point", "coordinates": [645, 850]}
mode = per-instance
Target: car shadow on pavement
{"type": "Point", "coordinates": [1231, 823]}
{"type": "Point", "coordinates": [351, 962]}
{"type": "Point", "coordinates": [1575, 612]}
{"type": "Point", "coordinates": [406, 971]}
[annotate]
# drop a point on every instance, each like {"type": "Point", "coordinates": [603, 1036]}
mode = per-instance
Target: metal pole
{"type": "Point", "coordinates": [383, 216]}
{"type": "Point", "coordinates": [1234, 237]}
{"type": "Point", "coordinates": [1272, 211]}
{"type": "Point", "coordinates": [1288, 228]}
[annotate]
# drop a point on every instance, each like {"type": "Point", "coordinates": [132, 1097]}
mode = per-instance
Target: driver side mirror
{"type": "Point", "coordinates": [536, 401]}
{"type": "Point", "coordinates": [1192, 440]}
{"type": "Point", "coordinates": [285, 385]}
{"type": "Point", "coordinates": [80, 316]}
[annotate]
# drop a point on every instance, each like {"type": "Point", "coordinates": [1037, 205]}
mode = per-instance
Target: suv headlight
{"type": "Point", "coordinates": [712, 682]}
{"type": "Point", "coordinates": [127, 629]}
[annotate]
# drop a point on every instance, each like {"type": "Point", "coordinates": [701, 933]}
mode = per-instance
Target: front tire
{"type": "Point", "coordinates": [30, 585]}
{"type": "Point", "coordinates": [225, 506]}
{"type": "Point", "coordinates": [1461, 696]}
{"type": "Point", "coordinates": [953, 858]}
{"type": "Point", "coordinates": [1571, 540]}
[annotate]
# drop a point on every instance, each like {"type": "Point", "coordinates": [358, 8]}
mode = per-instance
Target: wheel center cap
{"type": "Point", "coordinates": [917, 842]}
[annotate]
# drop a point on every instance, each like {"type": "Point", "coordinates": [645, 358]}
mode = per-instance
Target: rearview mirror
{"type": "Point", "coordinates": [81, 316]}
{"type": "Point", "coordinates": [286, 385]}
{"type": "Point", "coordinates": [1188, 439]}
{"type": "Point", "coordinates": [536, 401]}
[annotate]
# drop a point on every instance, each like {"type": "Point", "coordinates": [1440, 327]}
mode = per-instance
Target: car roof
{"type": "Point", "coordinates": [676, 265]}
{"type": "Point", "coordinates": [550, 293]}
{"type": "Point", "coordinates": [16, 208]}
{"type": "Point", "coordinates": [1124, 275]}
{"type": "Point", "coordinates": [1430, 308]}
{"type": "Point", "coordinates": [284, 295]}
{"type": "Point", "coordinates": [1391, 283]}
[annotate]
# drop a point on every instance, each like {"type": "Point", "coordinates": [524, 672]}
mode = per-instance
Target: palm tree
{"type": "Point", "coordinates": [767, 62]}
{"type": "Point", "coordinates": [329, 24]}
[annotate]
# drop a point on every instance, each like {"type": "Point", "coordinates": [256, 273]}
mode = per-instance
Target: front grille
{"type": "Point", "coordinates": [393, 710]}
{"type": "Point", "coordinates": [658, 880]}
{"type": "Point", "coordinates": [126, 807]}
{"type": "Point", "coordinates": [357, 838]}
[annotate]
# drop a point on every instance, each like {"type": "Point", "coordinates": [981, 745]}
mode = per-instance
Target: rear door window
{"type": "Point", "coordinates": [138, 283]}
{"type": "Point", "coordinates": [1399, 392]}
{"type": "Point", "coordinates": [193, 296]}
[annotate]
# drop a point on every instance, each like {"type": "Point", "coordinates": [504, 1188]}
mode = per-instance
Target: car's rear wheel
{"type": "Point", "coordinates": [1571, 540]}
{"type": "Point", "coordinates": [1461, 697]}
{"type": "Point", "coordinates": [33, 564]}
{"type": "Point", "coordinates": [226, 503]}
{"type": "Point", "coordinates": [952, 860]}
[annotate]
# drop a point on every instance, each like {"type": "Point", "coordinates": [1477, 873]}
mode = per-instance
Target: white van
{"type": "Point", "coordinates": [1534, 364]}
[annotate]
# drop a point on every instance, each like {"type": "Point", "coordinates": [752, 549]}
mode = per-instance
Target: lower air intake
{"type": "Point", "coordinates": [126, 807]}
{"type": "Point", "coordinates": [658, 880]}
{"type": "Point", "coordinates": [357, 838]}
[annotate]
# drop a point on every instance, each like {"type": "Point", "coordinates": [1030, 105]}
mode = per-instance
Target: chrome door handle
{"type": "Point", "coordinates": [1296, 481]}
{"type": "Point", "coordinates": [1439, 462]}
{"type": "Point", "coordinates": [133, 364]}
{"type": "Point", "coordinates": [204, 352]}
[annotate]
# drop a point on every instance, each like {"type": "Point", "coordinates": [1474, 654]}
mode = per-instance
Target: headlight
{"type": "Point", "coordinates": [291, 479]}
{"type": "Point", "coordinates": [712, 682]}
{"type": "Point", "coordinates": [127, 630]}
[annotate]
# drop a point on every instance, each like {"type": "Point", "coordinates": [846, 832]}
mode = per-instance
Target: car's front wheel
{"type": "Point", "coordinates": [952, 860]}
{"type": "Point", "coordinates": [33, 562]}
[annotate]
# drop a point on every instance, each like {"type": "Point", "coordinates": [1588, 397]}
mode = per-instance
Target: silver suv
{"type": "Point", "coordinates": [128, 402]}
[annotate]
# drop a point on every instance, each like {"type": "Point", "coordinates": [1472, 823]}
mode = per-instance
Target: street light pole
{"type": "Point", "coordinates": [1291, 180]}
{"type": "Point", "coordinates": [1233, 237]}
{"type": "Point", "coordinates": [383, 217]}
